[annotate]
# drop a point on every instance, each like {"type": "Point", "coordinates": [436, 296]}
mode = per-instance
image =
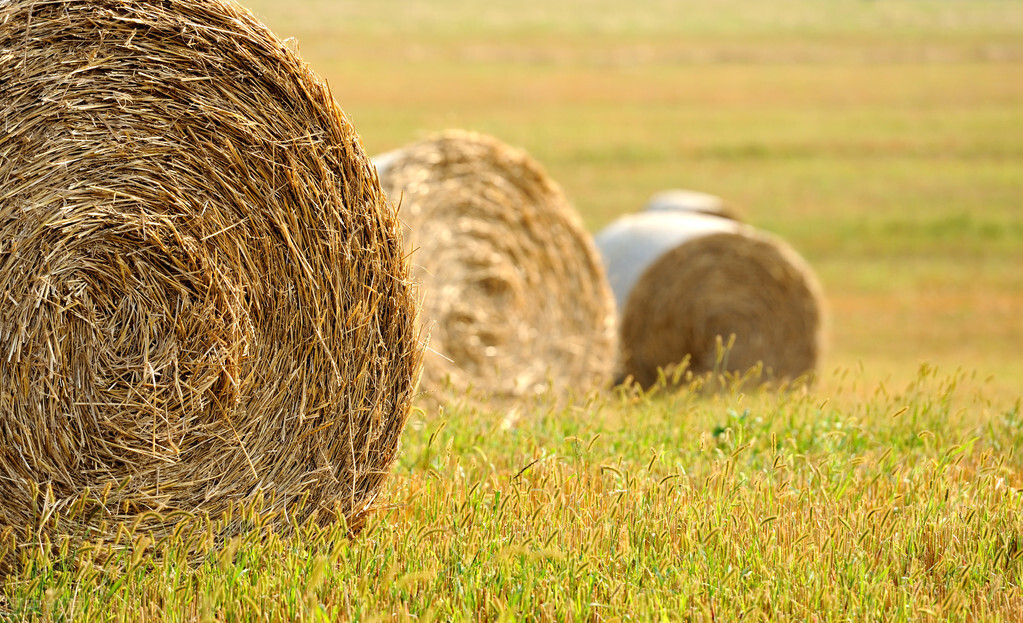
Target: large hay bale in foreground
{"type": "Point", "coordinates": [512, 284]}
{"type": "Point", "coordinates": [205, 298]}
{"type": "Point", "coordinates": [683, 280]}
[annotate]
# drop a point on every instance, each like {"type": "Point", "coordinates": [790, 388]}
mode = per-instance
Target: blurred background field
{"type": "Point", "coordinates": [882, 138]}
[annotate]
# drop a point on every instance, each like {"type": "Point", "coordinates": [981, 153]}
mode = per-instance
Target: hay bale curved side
{"type": "Point", "coordinates": [512, 283]}
{"type": "Point", "coordinates": [686, 279]}
{"type": "Point", "coordinates": [205, 292]}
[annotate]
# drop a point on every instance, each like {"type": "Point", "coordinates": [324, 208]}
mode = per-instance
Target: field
{"type": "Point", "coordinates": [882, 138]}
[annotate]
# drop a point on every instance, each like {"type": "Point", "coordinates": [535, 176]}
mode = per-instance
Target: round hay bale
{"type": "Point", "coordinates": [690, 201]}
{"type": "Point", "coordinates": [682, 281]}
{"type": "Point", "coordinates": [205, 296]}
{"type": "Point", "coordinates": [512, 284]}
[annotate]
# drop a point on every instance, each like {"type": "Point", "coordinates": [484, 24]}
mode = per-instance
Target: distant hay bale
{"type": "Point", "coordinates": [512, 284]}
{"type": "Point", "coordinates": [690, 201]}
{"type": "Point", "coordinates": [682, 280]}
{"type": "Point", "coordinates": [205, 297]}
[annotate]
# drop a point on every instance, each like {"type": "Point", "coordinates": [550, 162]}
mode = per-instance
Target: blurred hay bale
{"type": "Point", "coordinates": [682, 280]}
{"type": "Point", "coordinates": [205, 297]}
{"type": "Point", "coordinates": [682, 200]}
{"type": "Point", "coordinates": [512, 284]}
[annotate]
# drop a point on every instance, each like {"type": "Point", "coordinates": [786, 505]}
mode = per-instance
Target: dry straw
{"type": "Point", "coordinates": [205, 297]}
{"type": "Point", "coordinates": [686, 282]}
{"type": "Point", "coordinates": [512, 283]}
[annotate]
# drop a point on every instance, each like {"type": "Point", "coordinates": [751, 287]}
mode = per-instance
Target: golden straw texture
{"type": "Point", "coordinates": [204, 294]}
{"type": "Point", "coordinates": [708, 279]}
{"type": "Point", "coordinates": [512, 283]}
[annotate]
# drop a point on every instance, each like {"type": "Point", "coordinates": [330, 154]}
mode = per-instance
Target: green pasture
{"type": "Point", "coordinates": [882, 138]}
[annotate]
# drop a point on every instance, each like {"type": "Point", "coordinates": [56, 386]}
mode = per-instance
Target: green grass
{"type": "Point", "coordinates": [884, 502]}
{"type": "Point", "coordinates": [881, 138]}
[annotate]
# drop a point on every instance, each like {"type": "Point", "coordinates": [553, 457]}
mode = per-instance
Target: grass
{"type": "Point", "coordinates": [901, 503]}
{"type": "Point", "coordinates": [881, 138]}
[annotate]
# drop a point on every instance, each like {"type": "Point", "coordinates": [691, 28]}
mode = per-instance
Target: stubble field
{"type": "Point", "coordinates": [883, 139]}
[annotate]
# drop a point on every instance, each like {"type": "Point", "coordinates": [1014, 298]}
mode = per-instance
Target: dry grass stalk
{"type": "Point", "coordinates": [205, 296]}
{"type": "Point", "coordinates": [512, 283]}
{"type": "Point", "coordinates": [685, 281]}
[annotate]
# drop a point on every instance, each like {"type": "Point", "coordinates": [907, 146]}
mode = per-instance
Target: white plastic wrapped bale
{"type": "Point", "coordinates": [682, 280]}
{"type": "Point", "coordinates": [383, 162]}
{"type": "Point", "coordinates": [680, 200]}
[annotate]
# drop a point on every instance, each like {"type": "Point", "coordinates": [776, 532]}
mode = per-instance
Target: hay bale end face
{"type": "Point", "coordinates": [513, 289]}
{"type": "Point", "coordinates": [629, 245]}
{"type": "Point", "coordinates": [684, 280]}
{"type": "Point", "coordinates": [205, 297]}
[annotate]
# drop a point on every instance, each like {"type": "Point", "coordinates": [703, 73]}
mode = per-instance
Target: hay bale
{"type": "Point", "coordinates": [681, 280]}
{"type": "Point", "coordinates": [512, 284]}
{"type": "Point", "coordinates": [690, 201]}
{"type": "Point", "coordinates": [205, 296]}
